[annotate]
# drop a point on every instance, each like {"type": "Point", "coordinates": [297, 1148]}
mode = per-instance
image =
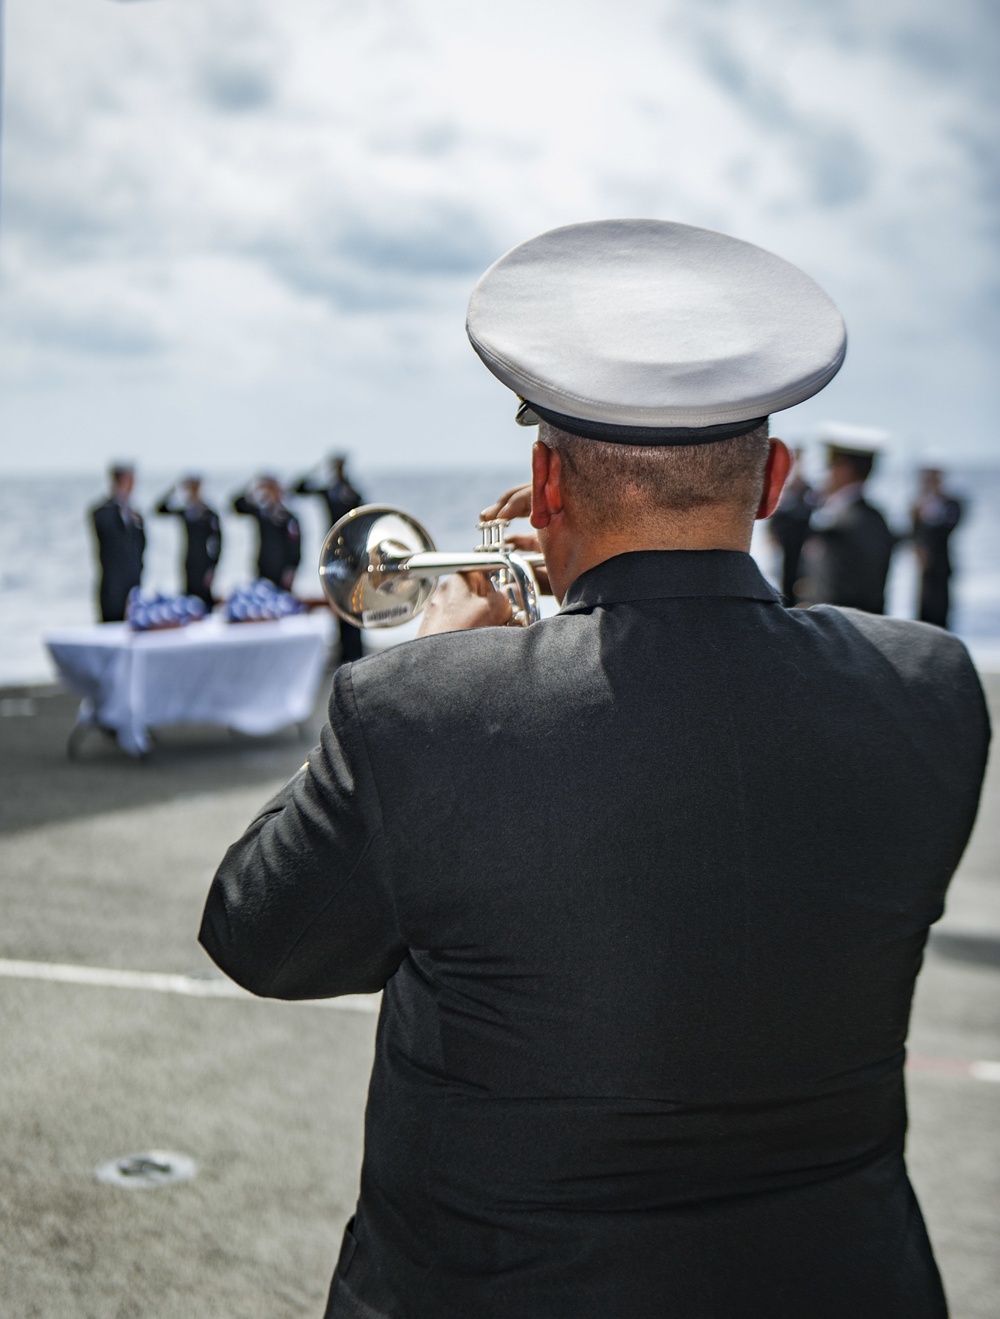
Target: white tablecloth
{"type": "Point", "coordinates": [254, 677]}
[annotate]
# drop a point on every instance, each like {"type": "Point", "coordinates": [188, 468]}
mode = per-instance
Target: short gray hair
{"type": "Point", "coordinates": [614, 483]}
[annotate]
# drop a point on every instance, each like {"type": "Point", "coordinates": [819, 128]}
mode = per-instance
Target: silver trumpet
{"type": "Point", "coordinates": [379, 567]}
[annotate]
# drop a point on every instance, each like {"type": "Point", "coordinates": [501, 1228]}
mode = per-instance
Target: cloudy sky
{"type": "Point", "coordinates": [245, 232]}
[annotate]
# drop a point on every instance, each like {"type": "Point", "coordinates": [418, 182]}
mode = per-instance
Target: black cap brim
{"type": "Point", "coordinates": [530, 414]}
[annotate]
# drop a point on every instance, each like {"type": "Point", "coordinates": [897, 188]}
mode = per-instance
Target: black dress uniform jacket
{"type": "Point", "coordinates": [339, 496]}
{"type": "Point", "coordinates": [280, 549]}
{"type": "Point", "coordinates": [203, 532]}
{"type": "Point", "coordinates": [121, 543]}
{"type": "Point", "coordinates": [647, 886]}
{"type": "Point", "coordinates": [848, 562]}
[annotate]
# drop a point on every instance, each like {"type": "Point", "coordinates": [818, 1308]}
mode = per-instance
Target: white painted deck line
{"type": "Point", "coordinates": [160, 982]}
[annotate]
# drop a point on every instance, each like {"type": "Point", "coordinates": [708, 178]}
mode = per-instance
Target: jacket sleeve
{"type": "Point", "coordinates": [294, 543]}
{"type": "Point", "coordinates": [301, 906]}
{"type": "Point", "coordinates": [102, 531]}
{"type": "Point", "coordinates": [213, 543]}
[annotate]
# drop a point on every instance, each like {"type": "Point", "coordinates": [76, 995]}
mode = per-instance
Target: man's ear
{"type": "Point", "coordinates": [779, 464]}
{"type": "Point", "coordinates": [546, 484]}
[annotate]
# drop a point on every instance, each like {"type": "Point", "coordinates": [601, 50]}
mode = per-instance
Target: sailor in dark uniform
{"type": "Point", "coordinates": [203, 532]}
{"type": "Point", "coordinates": [121, 543]}
{"type": "Point", "coordinates": [849, 549]}
{"type": "Point", "coordinates": [280, 548]}
{"type": "Point", "coordinates": [340, 497]}
{"type": "Point", "coordinates": [788, 526]}
{"type": "Point", "coordinates": [337, 492]}
{"type": "Point", "coordinates": [936, 514]}
{"type": "Point", "coordinates": [640, 1055]}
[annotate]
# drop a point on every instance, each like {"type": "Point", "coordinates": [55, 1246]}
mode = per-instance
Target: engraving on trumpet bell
{"type": "Point", "coordinates": [388, 616]}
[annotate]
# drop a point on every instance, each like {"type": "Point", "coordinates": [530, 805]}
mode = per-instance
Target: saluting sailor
{"type": "Point", "coordinates": [640, 1055]}
{"type": "Point", "coordinates": [203, 536]}
{"type": "Point", "coordinates": [337, 492]}
{"type": "Point", "coordinates": [279, 548]}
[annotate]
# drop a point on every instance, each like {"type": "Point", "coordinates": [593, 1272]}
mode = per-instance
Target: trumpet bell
{"type": "Point", "coordinates": [358, 567]}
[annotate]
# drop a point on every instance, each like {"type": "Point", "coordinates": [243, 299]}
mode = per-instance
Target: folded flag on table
{"type": "Point", "coordinates": [259, 602]}
{"type": "Point", "coordinates": [149, 613]}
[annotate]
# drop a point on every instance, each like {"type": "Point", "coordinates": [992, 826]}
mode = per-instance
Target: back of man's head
{"type": "Point", "coordinates": [614, 487]}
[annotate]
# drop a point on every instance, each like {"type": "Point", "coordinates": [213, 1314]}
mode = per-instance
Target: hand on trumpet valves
{"type": "Point", "coordinates": [513, 503]}
{"type": "Point", "coordinates": [516, 503]}
{"type": "Point", "coordinates": [465, 601]}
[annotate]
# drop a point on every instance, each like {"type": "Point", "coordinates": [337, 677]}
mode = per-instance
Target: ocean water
{"type": "Point", "coordinates": [48, 570]}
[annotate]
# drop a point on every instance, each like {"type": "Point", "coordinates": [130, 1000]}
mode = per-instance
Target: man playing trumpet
{"type": "Point", "coordinates": [640, 1053]}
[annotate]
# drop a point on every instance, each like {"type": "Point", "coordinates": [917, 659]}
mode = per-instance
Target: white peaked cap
{"type": "Point", "coordinates": [854, 439]}
{"type": "Point", "coordinates": [934, 459]}
{"type": "Point", "coordinates": [633, 329]}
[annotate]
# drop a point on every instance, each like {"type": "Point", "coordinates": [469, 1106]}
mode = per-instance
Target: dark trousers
{"type": "Point", "coordinates": [194, 584]}
{"type": "Point", "coordinates": [350, 642]}
{"type": "Point", "coordinates": [113, 597]}
{"type": "Point", "coordinates": [935, 598]}
{"type": "Point", "coordinates": [790, 569]}
{"type": "Point", "coordinates": [790, 533]}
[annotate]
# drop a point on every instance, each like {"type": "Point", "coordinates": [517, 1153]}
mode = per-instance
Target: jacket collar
{"type": "Point", "coordinates": [668, 574]}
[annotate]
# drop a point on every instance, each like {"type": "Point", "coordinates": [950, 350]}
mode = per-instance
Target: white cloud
{"type": "Point", "coordinates": [234, 230]}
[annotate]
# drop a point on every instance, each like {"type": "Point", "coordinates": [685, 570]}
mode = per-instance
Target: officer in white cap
{"type": "Point", "coordinates": [850, 545]}
{"type": "Point", "coordinates": [640, 1053]}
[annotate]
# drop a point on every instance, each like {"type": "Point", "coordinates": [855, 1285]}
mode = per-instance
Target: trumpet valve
{"type": "Point", "coordinates": [493, 535]}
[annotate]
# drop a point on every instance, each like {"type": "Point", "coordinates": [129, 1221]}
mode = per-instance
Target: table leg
{"type": "Point", "coordinates": [85, 721]}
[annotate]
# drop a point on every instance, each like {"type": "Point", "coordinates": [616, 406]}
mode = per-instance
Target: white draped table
{"type": "Point", "coordinates": [253, 677]}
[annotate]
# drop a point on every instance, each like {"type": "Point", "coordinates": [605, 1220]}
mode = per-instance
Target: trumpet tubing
{"type": "Point", "coordinates": [379, 567]}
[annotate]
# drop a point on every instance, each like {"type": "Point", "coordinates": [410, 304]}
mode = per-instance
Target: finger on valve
{"type": "Point", "coordinates": [513, 503]}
